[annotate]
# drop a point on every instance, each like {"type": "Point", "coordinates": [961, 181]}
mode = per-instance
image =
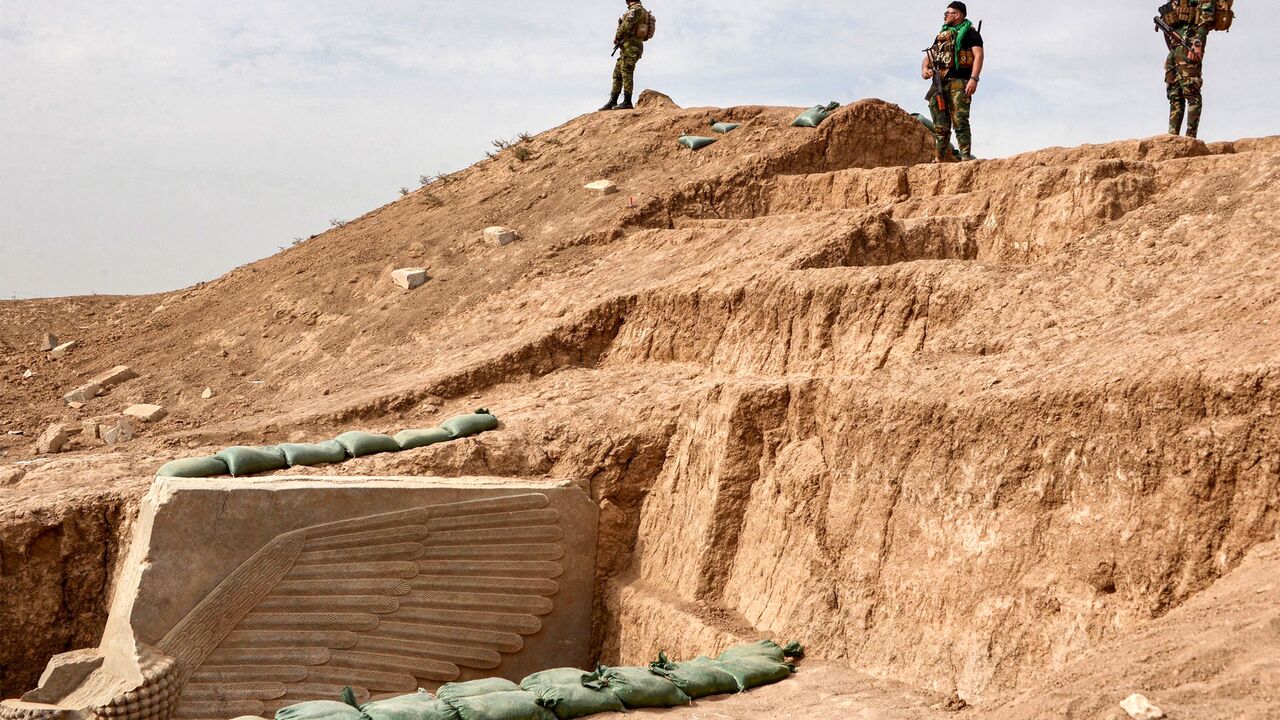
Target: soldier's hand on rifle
{"type": "Point", "coordinates": [927, 73]}
{"type": "Point", "coordinates": [1196, 53]}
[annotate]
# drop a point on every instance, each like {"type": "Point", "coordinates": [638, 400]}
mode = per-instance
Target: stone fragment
{"type": "Point", "coordinates": [63, 349]}
{"type": "Point", "coordinates": [409, 278]}
{"type": "Point", "coordinates": [28, 374]}
{"type": "Point", "coordinates": [75, 405]}
{"type": "Point", "coordinates": [82, 394]}
{"type": "Point", "coordinates": [121, 432]}
{"type": "Point", "coordinates": [146, 413]}
{"type": "Point", "coordinates": [52, 440]}
{"type": "Point", "coordinates": [114, 377]}
{"type": "Point", "coordinates": [1140, 708]}
{"type": "Point", "coordinates": [11, 475]}
{"type": "Point", "coordinates": [50, 342]}
{"type": "Point", "coordinates": [208, 393]}
{"type": "Point", "coordinates": [500, 235]}
{"type": "Point", "coordinates": [604, 187]}
{"type": "Point", "coordinates": [91, 428]}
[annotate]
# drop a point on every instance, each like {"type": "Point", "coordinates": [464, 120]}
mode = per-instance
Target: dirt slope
{"type": "Point", "coordinates": [961, 427]}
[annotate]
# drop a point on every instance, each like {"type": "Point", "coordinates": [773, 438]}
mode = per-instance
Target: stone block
{"type": "Point", "coordinates": [500, 235]}
{"type": "Point", "coordinates": [52, 440]}
{"type": "Point", "coordinates": [207, 394]}
{"type": "Point", "coordinates": [114, 377]}
{"type": "Point", "coordinates": [146, 413]}
{"type": "Point", "coordinates": [63, 349]}
{"type": "Point", "coordinates": [453, 579]}
{"type": "Point", "coordinates": [49, 342]}
{"type": "Point", "coordinates": [603, 187]}
{"type": "Point", "coordinates": [82, 394]}
{"type": "Point", "coordinates": [121, 431]}
{"type": "Point", "coordinates": [91, 429]}
{"type": "Point", "coordinates": [409, 278]}
{"type": "Point", "coordinates": [1140, 708]}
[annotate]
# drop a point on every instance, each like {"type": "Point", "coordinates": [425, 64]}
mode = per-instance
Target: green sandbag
{"type": "Point", "coordinates": [458, 690]}
{"type": "Point", "coordinates": [323, 453]}
{"type": "Point", "coordinates": [699, 677]}
{"type": "Point", "coordinates": [638, 687]}
{"type": "Point", "coordinates": [464, 425]}
{"type": "Point", "coordinates": [359, 444]}
{"type": "Point", "coordinates": [694, 142]}
{"type": "Point", "coordinates": [764, 648]}
{"type": "Point", "coordinates": [814, 116]}
{"type": "Point", "coordinates": [410, 439]}
{"type": "Point", "coordinates": [754, 671]}
{"type": "Point", "coordinates": [200, 467]}
{"type": "Point", "coordinates": [421, 705]}
{"type": "Point", "coordinates": [924, 120]}
{"type": "Point", "coordinates": [512, 705]}
{"type": "Point", "coordinates": [724, 127]}
{"type": "Point", "coordinates": [319, 710]}
{"type": "Point", "coordinates": [572, 693]}
{"type": "Point", "coordinates": [243, 460]}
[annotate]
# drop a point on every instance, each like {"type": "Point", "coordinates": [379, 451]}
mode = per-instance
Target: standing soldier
{"type": "Point", "coordinates": [954, 63]}
{"type": "Point", "coordinates": [633, 30]}
{"type": "Point", "coordinates": [1191, 21]}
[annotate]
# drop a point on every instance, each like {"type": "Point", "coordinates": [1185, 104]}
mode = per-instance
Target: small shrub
{"type": "Point", "coordinates": [522, 153]}
{"type": "Point", "coordinates": [425, 180]}
{"type": "Point", "coordinates": [501, 144]}
{"type": "Point", "coordinates": [432, 200]}
{"type": "Point", "coordinates": [404, 191]}
{"type": "Point", "coordinates": [337, 222]}
{"type": "Point", "coordinates": [524, 137]}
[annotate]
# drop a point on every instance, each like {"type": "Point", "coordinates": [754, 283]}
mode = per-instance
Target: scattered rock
{"type": "Point", "coordinates": [91, 428]}
{"type": "Point", "coordinates": [50, 342]}
{"type": "Point", "coordinates": [409, 278]}
{"type": "Point", "coordinates": [955, 703]}
{"type": "Point", "coordinates": [1140, 708]}
{"type": "Point", "coordinates": [18, 433]}
{"type": "Point", "coordinates": [75, 405]}
{"type": "Point", "coordinates": [82, 394]}
{"type": "Point", "coordinates": [121, 432]}
{"type": "Point", "coordinates": [604, 187]}
{"type": "Point", "coordinates": [63, 349]}
{"type": "Point", "coordinates": [500, 235]}
{"type": "Point", "coordinates": [52, 440]}
{"type": "Point", "coordinates": [114, 377]}
{"type": "Point", "coordinates": [11, 475]}
{"type": "Point", "coordinates": [146, 413]}
{"type": "Point", "coordinates": [208, 393]}
{"type": "Point", "coordinates": [28, 374]}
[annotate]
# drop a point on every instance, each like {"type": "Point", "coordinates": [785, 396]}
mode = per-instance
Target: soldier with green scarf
{"type": "Point", "coordinates": [957, 57]}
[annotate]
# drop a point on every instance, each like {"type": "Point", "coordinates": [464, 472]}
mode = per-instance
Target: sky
{"type": "Point", "coordinates": [146, 146]}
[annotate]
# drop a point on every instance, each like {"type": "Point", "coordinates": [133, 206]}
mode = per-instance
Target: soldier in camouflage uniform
{"type": "Point", "coordinates": [957, 52]}
{"type": "Point", "coordinates": [1184, 69]}
{"type": "Point", "coordinates": [629, 41]}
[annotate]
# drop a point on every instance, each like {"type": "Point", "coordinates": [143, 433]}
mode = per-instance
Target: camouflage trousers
{"type": "Point", "coordinates": [959, 103]}
{"type": "Point", "coordinates": [1183, 81]}
{"type": "Point", "coordinates": [624, 72]}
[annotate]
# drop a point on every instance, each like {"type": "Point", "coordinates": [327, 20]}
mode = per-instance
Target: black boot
{"type": "Point", "coordinates": [625, 104]}
{"type": "Point", "coordinates": [613, 100]}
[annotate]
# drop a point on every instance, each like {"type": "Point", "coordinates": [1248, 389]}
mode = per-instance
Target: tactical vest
{"type": "Point", "coordinates": [644, 22]}
{"type": "Point", "coordinates": [1190, 12]}
{"type": "Point", "coordinates": [944, 51]}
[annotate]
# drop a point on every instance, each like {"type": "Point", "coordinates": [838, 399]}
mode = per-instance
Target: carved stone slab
{"type": "Point", "coordinates": [242, 596]}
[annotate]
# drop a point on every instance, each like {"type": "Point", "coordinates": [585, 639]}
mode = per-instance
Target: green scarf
{"type": "Point", "coordinates": [959, 31]}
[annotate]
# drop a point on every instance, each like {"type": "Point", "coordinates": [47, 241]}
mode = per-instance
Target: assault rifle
{"type": "Point", "coordinates": [938, 89]}
{"type": "Point", "coordinates": [1170, 35]}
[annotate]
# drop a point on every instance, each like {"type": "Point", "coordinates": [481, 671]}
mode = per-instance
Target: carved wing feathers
{"type": "Point", "coordinates": [384, 603]}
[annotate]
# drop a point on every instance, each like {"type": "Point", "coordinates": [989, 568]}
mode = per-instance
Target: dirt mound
{"type": "Point", "coordinates": [958, 426]}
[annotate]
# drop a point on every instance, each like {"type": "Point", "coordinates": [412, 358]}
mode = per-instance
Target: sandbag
{"type": "Point", "coordinates": [323, 453]}
{"type": "Point", "coordinates": [751, 671]}
{"type": "Point", "coordinates": [572, 693]}
{"type": "Point", "coordinates": [763, 648]}
{"type": "Point", "coordinates": [421, 705]}
{"type": "Point", "coordinates": [458, 690]}
{"type": "Point", "coordinates": [724, 127]}
{"type": "Point", "coordinates": [638, 687]}
{"type": "Point", "coordinates": [200, 467]}
{"type": "Point", "coordinates": [359, 444]}
{"type": "Point", "coordinates": [465, 425]}
{"type": "Point", "coordinates": [694, 142]}
{"type": "Point", "coordinates": [699, 677]}
{"type": "Point", "coordinates": [814, 116]}
{"type": "Point", "coordinates": [512, 705]}
{"type": "Point", "coordinates": [243, 460]}
{"type": "Point", "coordinates": [925, 120]}
{"type": "Point", "coordinates": [319, 710]}
{"type": "Point", "coordinates": [410, 439]}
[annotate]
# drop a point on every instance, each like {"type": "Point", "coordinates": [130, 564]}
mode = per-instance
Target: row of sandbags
{"type": "Point", "coordinates": [810, 118]}
{"type": "Point", "coordinates": [246, 460]}
{"type": "Point", "coordinates": [566, 693]}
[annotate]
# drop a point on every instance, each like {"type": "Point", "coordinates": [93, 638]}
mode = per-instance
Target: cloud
{"type": "Point", "coordinates": [150, 145]}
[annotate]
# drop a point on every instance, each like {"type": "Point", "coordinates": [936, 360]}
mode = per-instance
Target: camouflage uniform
{"type": "Point", "coordinates": [958, 101]}
{"type": "Point", "coordinates": [1183, 77]}
{"type": "Point", "coordinates": [631, 48]}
